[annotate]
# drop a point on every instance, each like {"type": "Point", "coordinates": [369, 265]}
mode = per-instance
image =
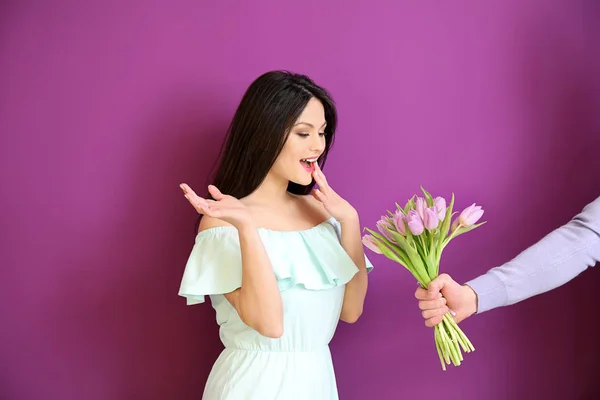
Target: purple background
{"type": "Point", "coordinates": [105, 107]}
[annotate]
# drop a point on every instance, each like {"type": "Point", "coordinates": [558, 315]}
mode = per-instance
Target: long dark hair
{"type": "Point", "coordinates": [260, 127]}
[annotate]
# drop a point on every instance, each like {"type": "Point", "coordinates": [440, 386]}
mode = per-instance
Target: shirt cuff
{"type": "Point", "coordinates": [491, 292]}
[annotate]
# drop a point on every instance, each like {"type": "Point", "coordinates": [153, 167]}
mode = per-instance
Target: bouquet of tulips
{"type": "Point", "coordinates": [415, 236]}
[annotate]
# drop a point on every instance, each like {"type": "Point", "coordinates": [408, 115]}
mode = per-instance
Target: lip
{"type": "Point", "coordinates": [311, 159]}
{"type": "Point", "coordinates": [311, 166]}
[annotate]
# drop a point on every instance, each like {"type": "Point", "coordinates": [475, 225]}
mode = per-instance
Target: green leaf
{"type": "Point", "coordinates": [377, 235]}
{"type": "Point", "coordinates": [399, 208]}
{"type": "Point", "coordinates": [459, 232]}
{"type": "Point", "coordinates": [420, 247]}
{"type": "Point", "coordinates": [428, 197]}
{"type": "Point", "coordinates": [467, 229]}
{"type": "Point", "coordinates": [410, 205]}
{"type": "Point", "coordinates": [385, 241]}
{"type": "Point", "coordinates": [394, 253]}
{"type": "Point", "coordinates": [380, 240]}
{"type": "Point", "coordinates": [432, 260]}
{"type": "Point", "coordinates": [390, 254]}
{"type": "Point", "coordinates": [416, 262]}
{"type": "Point", "coordinates": [445, 228]}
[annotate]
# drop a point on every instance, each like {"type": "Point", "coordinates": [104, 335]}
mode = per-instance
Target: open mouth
{"type": "Point", "coordinates": [309, 163]}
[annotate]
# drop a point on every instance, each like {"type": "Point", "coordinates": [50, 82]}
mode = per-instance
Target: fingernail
{"type": "Point", "coordinates": [453, 313]}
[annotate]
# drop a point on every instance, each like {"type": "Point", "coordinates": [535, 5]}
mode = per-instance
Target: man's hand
{"type": "Point", "coordinates": [442, 295]}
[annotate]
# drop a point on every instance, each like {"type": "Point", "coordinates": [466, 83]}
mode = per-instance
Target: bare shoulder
{"type": "Point", "coordinates": [315, 207]}
{"type": "Point", "coordinates": [209, 222]}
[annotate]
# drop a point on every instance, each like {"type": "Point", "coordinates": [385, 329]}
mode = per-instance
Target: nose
{"type": "Point", "coordinates": [317, 144]}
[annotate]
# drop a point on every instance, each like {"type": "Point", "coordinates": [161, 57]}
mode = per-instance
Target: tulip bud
{"type": "Point", "coordinates": [399, 223]}
{"type": "Point", "coordinates": [383, 225]}
{"type": "Point", "coordinates": [440, 206]}
{"type": "Point", "coordinates": [420, 206]}
{"type": "Point", "coordinates": [431, 220]}
{"type": "Point", "coordinates": [369, 242]}
{"type": "Point", "coordinates": [470, 215]}
{"type": "Point", "coordinates": [414, 222]}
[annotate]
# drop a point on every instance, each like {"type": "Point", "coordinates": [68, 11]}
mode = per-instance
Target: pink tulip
{"type": "Point", "coordinates": [420, 206]}
{"type": "Point", "coordinates": [399, 223]}
{"type": "Point", "coordinates": [431, 220]}
{"type": "Point", "coordinates": [414, 222]}
{"type": "Point", "coordinates": [383, 225]}
{"type": "Point", "coordinates": [470, 215]}
{"type": "Point", "coordinates": [370, 244]}
{"type": "Point", "coordinates": [440, 206]}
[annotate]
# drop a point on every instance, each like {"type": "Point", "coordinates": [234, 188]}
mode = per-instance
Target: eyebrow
{"type": "Point", "coordinates": [309, 124]}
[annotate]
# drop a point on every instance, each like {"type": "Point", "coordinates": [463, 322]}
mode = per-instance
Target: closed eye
{"type": "Point", "coordinates": [304, 134]}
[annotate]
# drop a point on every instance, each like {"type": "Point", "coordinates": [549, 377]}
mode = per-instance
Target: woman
{"type": "Point", "coordinates": [281, 261]}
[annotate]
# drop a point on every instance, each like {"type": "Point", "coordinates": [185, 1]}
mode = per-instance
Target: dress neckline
{"type": "Point", "coordinates": [306, 230]}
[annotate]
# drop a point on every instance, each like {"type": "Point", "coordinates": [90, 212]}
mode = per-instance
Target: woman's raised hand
{"type": "Point", "coordinates": [224, 207]}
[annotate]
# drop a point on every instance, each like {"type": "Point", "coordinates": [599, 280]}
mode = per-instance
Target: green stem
{"type": "Point", "coordinates": [436, 337]}
{"type": "Point", "coordinates": [449, 340]}
{"type": "Point", "coordinates": [452, 235]}
{"type": "Point", "coordinates": [452, 345]}
{"type": "Point", "coordinates": [448, 318]}
{"type": "Point", "coordinates": [445, 345]}
{"type": "Point", "coordinates": [422, 240]}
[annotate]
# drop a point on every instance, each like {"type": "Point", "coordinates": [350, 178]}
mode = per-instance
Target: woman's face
{"type": "Point", "coordinates": [304, 145]}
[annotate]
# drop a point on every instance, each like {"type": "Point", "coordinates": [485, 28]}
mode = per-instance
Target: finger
{"type": "Point", "coordinates": [200, 206]}
{"type": "Point", "coordinates": [431, 322]}
{"type": "Point", "coordinates": [215, 193]}
{"type": "Point", "coordinates": [428, 314]}
{"type": "Point", "coordinates": [435, 286]}
{"type": "Point", "coordinates": [432, 304]}
{"type": "Point", "coordinates": [317, 194]}
{"type": "Point", "coordinates": [421, 294]}
{"type": "Point", "coordinates": [189, 193]}
{"type": "Point", "coordinates": [320, 177]}
{"type": "Point", "coordinates": [424, 294]}
{"type": "Point", "coordinates": [321, 174]}
{"type": "Point", "coordinates": [317, 178]}
{"type": "Point", "coordinates": [196, 201]}
{"type": "Point", "coordinates": [186, 189]}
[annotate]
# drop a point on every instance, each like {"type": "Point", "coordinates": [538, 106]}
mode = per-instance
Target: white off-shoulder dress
{"type": "Point", "coordinates": [312, 270]}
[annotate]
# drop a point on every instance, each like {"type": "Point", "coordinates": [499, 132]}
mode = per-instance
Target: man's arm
{"type": "Point", "coordinates": [553, 261]}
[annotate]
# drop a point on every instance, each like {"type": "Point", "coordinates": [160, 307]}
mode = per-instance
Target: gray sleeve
{"type": "Point", "coordinates": [553, 261]}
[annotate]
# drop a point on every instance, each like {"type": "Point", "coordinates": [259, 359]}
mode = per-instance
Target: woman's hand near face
{"type": "Point", "coordinates": [335, 205]}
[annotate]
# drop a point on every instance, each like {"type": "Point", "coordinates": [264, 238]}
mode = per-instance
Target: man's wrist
{"type": "Point", "coordinates": [472, 300]}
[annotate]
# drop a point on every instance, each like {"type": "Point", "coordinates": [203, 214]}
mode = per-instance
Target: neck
{"type": "Point", "coordinates": [272, 190]}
